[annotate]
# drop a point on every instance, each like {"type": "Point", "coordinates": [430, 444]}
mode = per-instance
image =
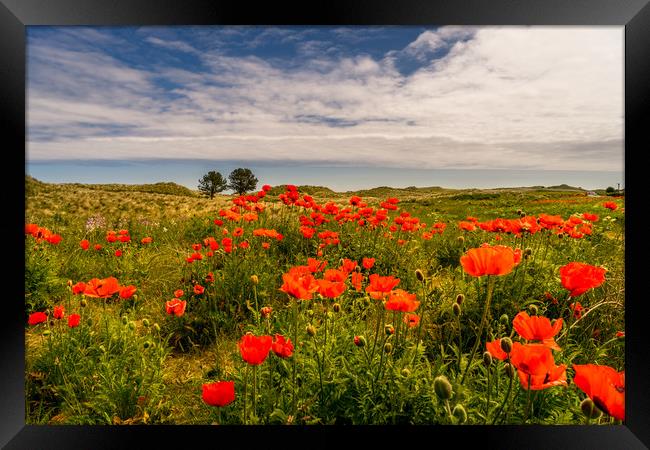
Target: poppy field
{"type": "Point", "coordinates": [298, 305]}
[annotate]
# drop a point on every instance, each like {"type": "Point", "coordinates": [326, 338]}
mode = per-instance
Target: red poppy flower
{"type": "Point", "coordinates": [299, 286]}
{"type": "Point", "coordinates": [175, 306]}
{"type": "Point", "coordinates": [266, 245]}
{"type": "Point", "coordinates": [110, 238]}
{"type": "Point", "coordinates": [610, 205]}
{"type": "Point", "coordinates": [380, 286]}
{"type": "Point", "coordinates": [368, 263]}
{"type": "Point", "coordinates": [412, 320]}
{"type": "Point", "coordinates": [467, 226]}
{"type": "Point", "coordinates": [556, 376]}
{"type": "Point", "coordinates": [537, 328]}
{"type": "Point", "coordinates": [147, 240]}
{"type": "Point", "coordinates": [79, 288]}
{"type": "Point", "coordinates": [330, 289]}
{"type": "Point", "coordinates": [578, 277]}
{"type": "Point", "coordinates": [220, 393]}
{"type": "Point", "coordinates": [490, 260]}
{"type": "Point", "coordinates": [590, 217]}
{"type": "Point", "coordinates": [254, 349]}
{"type": "Point", "coordinates": [335, 275]}
{"type": "Point", "coordinates": [400, 300]}
{"type": "Point", "coordinates": [36, 318]}
{"type": "Point", "coordinates": [102, 288]}
{"type": "Point", "coordinates": [118, 253]}
{"type": "Point", "coordinates": [281, 347]}
{"type": "Point", "coordinates": [127, 291]}
{"type": "Point", "coordinates": [178, 293]}
{"type": "Point", "coordinates": [31, 228]}
{"type": "Point", "coordinates": [73, 320]}
{"type": "Point", "coordinates": [53, 239]}
{"type": "Point", "coordinates": [198, 289]}
{"type": "Point", "coordinates": [495, 350]}
{"type": "Point", "coordinates": [59, 312]}
{"type": "Point", "coordinates": [84, 244]}
{"type": "Point", "coordinates": [604, 385]}
{"type": "Point", "coordinates": [98, 246]}
{"type": "Point", "coordinates": [577, 309]}
{"type": "Point", "coordinates": [536, 367]}
{"type": "Point", "coordinates": [238, 232]}
{"type": "Point", "coordinates": [209, 278]}
{"type": "Point", "coordinates": [124, 238]}
{"type": "Point", "coordinates": [348, 265]}
{"type": "Point", "coordinates": [315, 265]}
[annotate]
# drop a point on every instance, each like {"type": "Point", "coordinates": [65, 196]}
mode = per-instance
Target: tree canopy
{"type": "Point", "coordinates": [211, 183]}
{"type": "Point", "coordinates": [242, 181]}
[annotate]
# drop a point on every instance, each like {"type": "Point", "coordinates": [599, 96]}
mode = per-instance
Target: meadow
{"type": "Point", "coordinates": [300, 305]}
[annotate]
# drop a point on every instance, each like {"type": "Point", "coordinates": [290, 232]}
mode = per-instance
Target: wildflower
{"type": "Point", "coordinates": [380, 286]}
{"type": "Point", "coordinates": [220, 393]}
{"type": "Point", "coordinates": [610, 205]}
{"type": "Point", "coordinates": [103, 288]}
{"type": "Point", "coordinates": [79, 288]}
{"type": "Point", "coordinates": [356, 279]}
{"type": "Point", "coordinates": [255, 349]}
{"type": "Point", "coordinates": [282, 347]}
{"type": "Point", "coordinates": [209, 278]}
{"type": "Point", "coordinates": [536, 367]}
{"type": "Point", "coordinates": [98, 247]}
{"type": "Point", "coordinates": [299, 286]}
{"type": "Point", "coordinates": [266, 311]}
{"type": "Point", "coordinates": [348, 265]}
{"type": "Point", "coordinates": [59, 312]}
{"type": "Point", "coordinates": [178, 293]}
{"type": "Point", "coordinates": [400, 300]}
{"type": "Point", "coordinates": [146, 240]}
{"type": "Point", "coordinates": [84, 244]}
{"type": "Point", "coordinates": [368, 263]}
{"type": "Point", "coordinates": [412, 320]}
{"type": "Point", "coordinates": [118, 253]}
{"type": "Point", "coordinates": [359, 341]}
{"type": "Point", "coordinates": [604, 385]}
{"type": "Point", "coordinates": [73, 320]}
{"type": "Point", "coordinates": [578, 277]}
{"type": "Point", "coordinates": [490, 260]}
{"type": "Point", "coordinates": [36, 318]}
{"type": "Point", "coordinates": [198, 289]}
{"type": "Point", "coordinates": [442, 387]}
{"type": "Point", "coordinates": [127, 291]}
{"type": "Point", "coordinates": [175, 306]}
{"type": "Point", "coordinates": [577, 309]}
{"type": "Point", "coordinates": [330, 289]}
{"type": "Point", "coordinates": [537, 328]}
{"type": "Point", "coordinates": [335, 275]}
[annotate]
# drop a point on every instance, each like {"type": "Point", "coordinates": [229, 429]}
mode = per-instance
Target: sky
{"type": "Point", "coordinates": [345, 107]}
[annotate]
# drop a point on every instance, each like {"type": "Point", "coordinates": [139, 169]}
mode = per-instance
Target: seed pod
{"type": "Point", "coordinates": [460, 298]}
{"type": "Point", "coordinates": [132, 325]}
{"type": "Point", "coordinates": [487, 359]}
{"type": "Point", "coordinates": [533, 309]}
{"type": "Point", "coordinates": [442, 386]}
{"type": "Point", "coordinates": [146, 344]}
{"type": "Point", "coordinates": [419, 275]}
{"type": "Point", "coordinates": [589, 409]}
{"type": "Point", "coordinates": [156, 327]}
{"type": "Point", "coordinates": [46, 332]}
{"type": "Point", "coordinates": [83, 303]}
{"type": "Point", "coordinates": [510, 370]}
{"type": "Point", "coordinates": [506, 344]}
{"type": "Point", "coordinates": [504, 319]}
{"type": "Point", "coordinates": [125, 320]}
{"type": "Point", "coordinates": [388, 347]}
{"type": "Point", "coordinates": [336, 307]}
{"type": "Point", "coordinates": [255, 279]}
{"type": "Point", "coordinates": [528, 251]}
{"type": "Point", "coordinates": [145, 322]}
{"type": "Point", "coordinates": [311, 330]}
{"type": "Point", "coordinates": [456, 309]}
{"type": "Point", "coordinates": [406, 372]}
{"type": "Point", "coordinates": [459, 413]}
{"type": "Point", "coordinates": [389, 329]}
{"type": "Point", "coordinates": [461, 239]}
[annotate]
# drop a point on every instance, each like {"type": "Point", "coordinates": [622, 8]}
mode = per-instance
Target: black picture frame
{"type": "Point", "coordinates": [634, 15]}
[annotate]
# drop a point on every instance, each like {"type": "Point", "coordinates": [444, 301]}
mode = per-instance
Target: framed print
{"type": "Point", "coordinates": [368, 218]}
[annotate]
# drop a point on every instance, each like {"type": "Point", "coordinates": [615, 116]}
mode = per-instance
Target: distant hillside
{"type": "Point", "coordinates": [320, 191]}
{"type": "Point", "coordinates": [386, 191]}
{"type": "Point", "coordinates": [32, 185]}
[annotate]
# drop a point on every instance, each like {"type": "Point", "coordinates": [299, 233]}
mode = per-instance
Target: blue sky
{"type": "Point", "coordinates": [324, 100]}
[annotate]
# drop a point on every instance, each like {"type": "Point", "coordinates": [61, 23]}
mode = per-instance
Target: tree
{"type": "Point", "coordinates": [211, 183]}
{"type": "Point", "coordinates": [610, 190]}
{"type": "Point", "coordinates": [242, 180]}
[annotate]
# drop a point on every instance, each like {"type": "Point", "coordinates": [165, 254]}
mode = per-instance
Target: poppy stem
{"type": "Point", "coordinates": [505, 400]}
{"type": "Point", "coordinates": [257, 307]}
{"type": "Point", "coordinates": [487, 403]}
{"type": "Point", "coordinates": [245, 384]}
{"type": "Point", "coordinates": [295, 340]}
{"type": "Point", "coordinates": [528, 404]}
{"type": "Point", "coordinates": [254, 391]}
{"type": "Point", "coordinates": [490, 287]}
{"type": "Point", "coordinates": [451, 416]}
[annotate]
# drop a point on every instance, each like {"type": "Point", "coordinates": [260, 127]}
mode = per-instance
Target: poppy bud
{"type": "Point", "coordinates": [487, 359]}
{"type": "Point", "coordinates": [145, 322]}
{"type": "Point", "coordinates": [146, 344]}
{"type": "Point", "coordinates": [504, 319]}
{"type": "Point", "coordinates": [506, 344]}
{"type": "Point", "coordinates": [461, 239]}
{"type": "Point", "coordinates": [528, 252]}
{"type": "Point", "coordinates": [406, 372]}
{"type": "Point", "coordinates": [419, 275]}
{"type": "Point", "coordinates": [359, 341]}
{"type": "Point", "coordinates": [459, 413]}
{"type": "Point", "coordinates": [102, 348]}
{"type": "Point", "coordinates": [357, 269]}
{"type": "Point", "coordinates": [560, 235]}
{"type": "Point", "coordinates": [510, 370]}
{"type": "Point", "coordinates": [456, 309]}
{"type": "Point", "coordinates": [266, 311]}
{"type": "Point", "coordinates": [83, 303]}
{"type": "Point", "coordinates": [389, 329]}
{"type": "Point", "coordinates": [533, 309]}
{"type": "Point", "coordinates": [589, 409]}
{"type": "Point", "coordinates": [125, 320]}
{"type": "Point", "coordinates": [310, 312]}
{"type": "Point", "coordinates": [336, 307]}
{"type": "Point", "coordinates": [460, 298]}
{"type": "Point", "coordinates": [388, 347]}
{"type": "Point", "coordinates": [132, 325]}
{"type": "Point", "coordinates": [255, 279]}
{"type": "Point", "coordinates": [520, 212]}
{"type": "Point", "coordinates": [311, 330]}
{"type": "Point", "coordinates": [442, 386]}
{"type": "Point", "coordinates": [89, 321]}
{"type": "Point", "coordinates": [156, 327]}
{"type": "Point", "coordinates": [46, 332]}
{"type": "Point", "coordinates": [70, 283]}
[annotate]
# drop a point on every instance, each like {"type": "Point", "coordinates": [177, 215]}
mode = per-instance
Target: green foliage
{"type": "Point", "coordinates": [242, 181]}
{"type": "Point", "coordinates": [212, 183]}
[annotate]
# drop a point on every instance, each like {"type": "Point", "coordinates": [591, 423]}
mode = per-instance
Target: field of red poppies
{"type": "Point", "coordinates": [281, 307]}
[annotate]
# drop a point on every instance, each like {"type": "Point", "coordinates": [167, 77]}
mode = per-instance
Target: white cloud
{"type": "Point", "coordinates": [520, 97]}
